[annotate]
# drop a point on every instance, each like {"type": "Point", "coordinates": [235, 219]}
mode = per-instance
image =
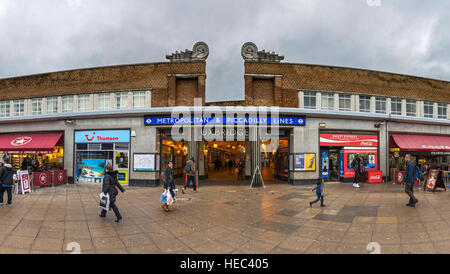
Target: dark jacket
{"type": "Point", "coordinates": [192, 169]}
{"type": "Point", "coordinates": [109, 185]}
{"type": "Point", "coordinates": [170, 181]}
{"type": "Point", "coordinates": [410, 174]}
{"type": "Point", "coordinates": [356, 165]}
{"type": "Point", "coordinates": [6, 175]}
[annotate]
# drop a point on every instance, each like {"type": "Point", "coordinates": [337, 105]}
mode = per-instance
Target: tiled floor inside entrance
{"type": "Point", "coordinates": [229, 219]}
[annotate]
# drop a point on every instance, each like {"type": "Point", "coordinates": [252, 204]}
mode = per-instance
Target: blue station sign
{"type": "Point", "coordinates": [281, 121]}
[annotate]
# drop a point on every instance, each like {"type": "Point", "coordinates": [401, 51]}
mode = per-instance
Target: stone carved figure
{"type": "Point", "coordinates": [250, 52]}
{"type": "Point", "coordinates": [199, 52]}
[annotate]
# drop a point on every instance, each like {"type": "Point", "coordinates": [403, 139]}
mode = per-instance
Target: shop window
{"type": "Point", "coordinates": [19, 107]}
{"type": "Point", "coordinates": [104, 101]}
{"type": "Point", "coordinates": [5, 109]}
{"type": "Point", "coordinates": [52, 105]}
{"type": "Point", "coordinates": [327, 101]}
{"type": "Point", "coordinates": [428, 109]}
{"type": "Point", "coordinates": [411, 107]}
{"type": "Point", "coordinates": [122, 146]}
{"type": "Point", "coordinates": [380, 105]}
{"type": "Point", "coordinates": [442, 111]}
{"type": "Point", "coordinates": [67, 103]}
{"type": "Point", "coordinates": [107, 146]}
{"type": "Point", "coordinates": [364, 103]}
{"type": "Point", "coordinates": [36, 106]}
{"type": "Point", "coordinates": [345, 102]}
{"type": "Point", "coordinates": [309, 99]}
{"type": "Point", "coordinates": [84, 102]}
{"type": "Point", "coordinates": [82, 146]}
{"type": "Point", "coordinates": [139, 99]}
{"type": "Point", "coordinates": [121, 100]}
{"type": "Point", "coordinates": [94, 146]}
{"type": "Point", "coordinates": [396, 106]}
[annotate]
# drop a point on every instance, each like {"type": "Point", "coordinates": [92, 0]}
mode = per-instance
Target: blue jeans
{"type": "Point", "coordinates": [319, 198]}
{"type": "Point", "coordinates": [114, 208]}
{"type": "Point", "coordinates": [9, 191]}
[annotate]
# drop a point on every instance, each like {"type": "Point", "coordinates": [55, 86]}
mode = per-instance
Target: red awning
{"type": "Point", "coordinates": [422, 142]}
{"type": "Point", "coordinates": [27, 143]}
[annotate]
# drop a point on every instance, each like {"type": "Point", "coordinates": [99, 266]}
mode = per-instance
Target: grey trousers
{"type": "Point", "coordinates": [409, 189]}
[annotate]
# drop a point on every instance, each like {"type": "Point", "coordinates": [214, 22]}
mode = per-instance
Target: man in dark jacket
{"type": "Point", "coordinates": [109, 187]}
{"type": "Point", "coordinates": [410, 179]}
{"type": "Point", "coordinates": [169, 182]}
{"type": "Point", "coordinates": [6, 180]}
{"type": "Point", "coordinates": [356, 165]}
{"type": "Point", "coordinates": [190, 175]}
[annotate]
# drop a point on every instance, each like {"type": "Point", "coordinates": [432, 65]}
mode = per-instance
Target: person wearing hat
{"type": "Point", "coordinates": [190, 173]}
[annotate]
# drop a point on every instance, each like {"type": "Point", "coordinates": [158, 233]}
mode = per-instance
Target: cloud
{"type": "Point", "coordinates": [408, 37]}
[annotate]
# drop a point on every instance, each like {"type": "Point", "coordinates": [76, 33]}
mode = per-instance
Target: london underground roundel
{"type": "Point", "coordinates": [21, 141]}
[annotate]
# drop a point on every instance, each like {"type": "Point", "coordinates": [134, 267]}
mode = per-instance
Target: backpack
{"type": "Point", "coordinates": [419, 174]}
{"type": "Point", "coordinates": [187, 168]}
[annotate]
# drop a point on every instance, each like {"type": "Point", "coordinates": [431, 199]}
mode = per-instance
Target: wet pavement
{"type": "Point", "coordinates": [229, 219]}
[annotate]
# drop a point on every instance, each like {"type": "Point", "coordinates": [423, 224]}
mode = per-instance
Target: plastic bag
{"type": "Point", "coordinates": [169, 198]}
{"type": "Point", "coordinates": [104, 201]}
{"type": "Point", "coordinates": [164, 196]}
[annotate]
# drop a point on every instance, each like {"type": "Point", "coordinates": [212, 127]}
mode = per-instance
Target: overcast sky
{"type": "Point", "coordinates": [401, 36]}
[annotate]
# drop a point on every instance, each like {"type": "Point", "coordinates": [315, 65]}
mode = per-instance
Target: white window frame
{"type": "Point", "coordinates": [365, 99]}
{"type": "Point", "coordinates": [427, 105]}
{"type": "Point", "coordinates": [52, 105]}
{"type": "Point", "coordinates": [327, 101]}
{"type": "Point", "coordinates": [380, 102]}
{"type": "Point", "coordinates": [5, 109]}
{"type": "Point", "coordinates": [84, 102]}
{"type": "Point", "coordinates": [411, 103]}
{"type": "Point", "coordinates": [103, 101]}
{"type": "Point", "coordinates": [396, 102]}
{"type": "Point", "coordinates": [67, 103]}
{"type": "Point", "coordinates": [308, 97]}
{"type": "Point", "coordinates": [36, 106]}
{"type": "Point", "coordinates": [19, 107]}
{"type": "Point", "coordinates": [141, 102]}
{"type": "Point", "coordinates": [442, 111]}
{"type": "Point", "coordinates": [121, 100]}
{"type": "Point", "coordinates": [345, 102]}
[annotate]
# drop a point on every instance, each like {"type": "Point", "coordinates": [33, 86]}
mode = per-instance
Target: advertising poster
{"type": "Point", "coordinates": [325, 165]}
{"type": "Point", "coordinates": [93, 168]}
{"type": "Point", "coordinates": [310, 162]}
{"type": "Point", "coordinates": [299, 162]}
{"type": "Point", "coordinates": [24, 181]}
{"type": "Point", "coordinates": [341, 164]}
{"type": "Point", "coordinates": [144, 162]}
{"type": "Point", "coordinates": [122, 177]}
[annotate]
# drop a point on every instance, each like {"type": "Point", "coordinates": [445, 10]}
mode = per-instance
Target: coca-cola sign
{"type": "Point", "coordinates": [348, 140]}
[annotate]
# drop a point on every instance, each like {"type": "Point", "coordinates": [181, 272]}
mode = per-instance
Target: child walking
{"type": "Point", "coordinates": [319, 193]}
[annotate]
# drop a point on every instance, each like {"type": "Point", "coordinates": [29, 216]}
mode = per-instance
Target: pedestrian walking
{"type": "Point", "coordinates": [240, 168]}
{"type": "Point", "coordinates": [356, 165]}
{"type": "Point", "coordinates": [319, 193]}
{"type": "Point", "coordinates": [169, 183]}
{"type": "Point", "coordinates": [110, 185]}
{"type": "Point", "coordinates": [6, 180]}
{"type": "Point", "coordinates": [190, 173]}
{"type": "Point", "coordinates": [410, 179]}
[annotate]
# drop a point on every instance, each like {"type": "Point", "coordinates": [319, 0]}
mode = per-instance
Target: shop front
{"type": "Point", "coordinates": [338, 151]}
{"type": "Point", "coordinates": [94, 149]}
{"type": "Point", "coordinates": [34, 151]}
{"type": "Point", "coordinates": [431, 152]}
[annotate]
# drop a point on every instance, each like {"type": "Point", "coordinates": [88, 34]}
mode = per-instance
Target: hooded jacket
{"type": "Point", "coordinates": [109, 185]}
{"type": "Point", "coordinates": [6, 175]}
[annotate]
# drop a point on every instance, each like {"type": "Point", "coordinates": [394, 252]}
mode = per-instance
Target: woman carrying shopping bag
{"type": "Point", "coordinates": [109, 187]}
{"type": "Point", "coordinates": [169, 186]}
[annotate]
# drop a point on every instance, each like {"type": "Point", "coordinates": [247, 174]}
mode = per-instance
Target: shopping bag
{"type": "Point", "coordinates": [169, 199]}
{"type": "Point", "coordinates": [104, 201]}
{"type": "Point", "coordinates": [164, 196]}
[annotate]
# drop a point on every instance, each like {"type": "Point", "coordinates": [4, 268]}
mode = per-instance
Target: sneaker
{"type": "Point", "coordinates": [9, 204]}
{"type": "Point", "coordinates": [357, 186]}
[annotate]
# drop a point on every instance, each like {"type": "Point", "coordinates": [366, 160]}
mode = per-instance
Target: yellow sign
{"type": "Point", "coordinates": [122, 177]}
{"type": "Point", "coordinates": [394, 149]}
{"type": "Point", "coordinates": [310, 162]}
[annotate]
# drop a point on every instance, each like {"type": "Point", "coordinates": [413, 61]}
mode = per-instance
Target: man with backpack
{"type": "Point", "coordinates": [410, 179]}
{"type": "Point", "coordinates": [190, 172]}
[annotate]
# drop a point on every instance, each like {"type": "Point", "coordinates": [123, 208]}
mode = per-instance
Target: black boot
{"type": "Point", "coordinates": [321, 203]}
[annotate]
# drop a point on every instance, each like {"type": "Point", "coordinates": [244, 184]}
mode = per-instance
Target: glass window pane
{"type": "Point", "coordinates": [139, 99]}
{"type": "Point", "coordinates": [309, 100]}
{"type": "Point", "coordinates": [36, 106]}
{"type": "Point", "coordinates": [104, 101]}
{"type": "Point", "coordinates": [327, 101]}
{"type": "Point", "coordinates": [364, 103]}
{"type": "Point", "coordinates": [345, 102]}
{"type": "Point", "coordinates": [121, 100]}
{"type": "Point", "coordinates": [428, 109]}
{"type": "Point", "coordinates": [380, 105]}
{"type": "Point", "coordinates": [84, 102]}
{"type": "Point", "coordinates": [442, 111]}
{"type": "Point", "coordinates": [396, 106]}
{"type": "Point", "coordinates": [5, 107]}
{"type": "Point", "coordinates": [411, 107]}
{"type": "Point", "coordinates": [67, 103]}
{"type": "Point", "coordinates": [52, 105]}
{"type": "Point", "coordinates": [19, 107]}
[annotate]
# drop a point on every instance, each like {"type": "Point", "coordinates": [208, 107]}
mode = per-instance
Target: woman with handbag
{"type": "Point", "coordinates": [109, 187]}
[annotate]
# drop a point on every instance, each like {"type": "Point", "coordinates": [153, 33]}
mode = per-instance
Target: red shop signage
{"type": "Point", "coordinates": [59, 177]}
{"type": "Point", "coordinates": [42, 178]}
{"type": "Point", "coordinates": [348, 140]}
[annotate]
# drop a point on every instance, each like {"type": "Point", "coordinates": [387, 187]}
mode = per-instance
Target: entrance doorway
{"type": "Point", "coordinates": [223, 160]}
{"type": "Point", "coordinates": [275, 160]}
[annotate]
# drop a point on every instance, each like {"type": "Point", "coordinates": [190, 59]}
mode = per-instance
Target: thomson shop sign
{"type": "Point", "coordinates": [102, 136]}
{"type": "Point", "coordinates": [281, 121]}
